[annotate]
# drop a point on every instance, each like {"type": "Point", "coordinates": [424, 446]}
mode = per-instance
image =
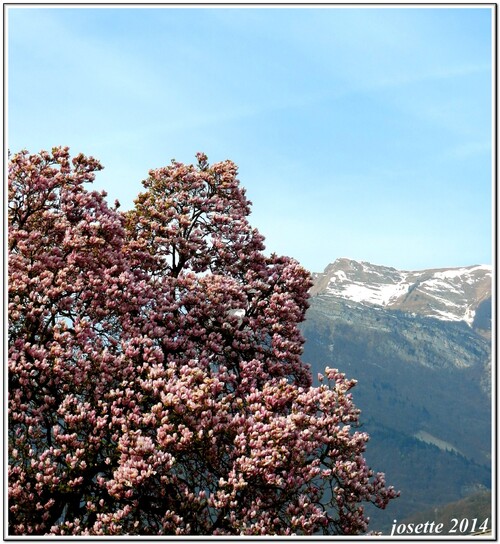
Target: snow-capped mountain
{"type": "Point", "coordinates": [419, 344]}
{"type": "Point", "coordinates": [450, 294]}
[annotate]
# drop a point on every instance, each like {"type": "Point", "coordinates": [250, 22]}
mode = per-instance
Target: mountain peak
{"type": "Point", "coordinates": [451, 294]}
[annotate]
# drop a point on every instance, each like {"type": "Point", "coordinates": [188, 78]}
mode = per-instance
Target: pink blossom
{"type": "Point", "coordinates": [155, 378]}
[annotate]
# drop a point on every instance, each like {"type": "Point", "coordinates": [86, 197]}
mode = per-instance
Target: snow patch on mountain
{"type": "Point", "coordinates": [381, 294]}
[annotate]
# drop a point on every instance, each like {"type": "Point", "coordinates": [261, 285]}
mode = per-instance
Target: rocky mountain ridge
{"type": "Point", "coordinates": [449, 294]}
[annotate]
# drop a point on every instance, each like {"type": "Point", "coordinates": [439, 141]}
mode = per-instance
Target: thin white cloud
{"type": "Point", "coordinates": [468, 150]}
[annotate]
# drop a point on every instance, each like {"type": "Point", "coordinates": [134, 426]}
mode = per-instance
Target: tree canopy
{"type": "Point", "coordinates": [155, 381]}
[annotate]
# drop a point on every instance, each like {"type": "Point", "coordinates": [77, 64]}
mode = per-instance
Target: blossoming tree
{"type": "Point", "coordinates": [155, 379]}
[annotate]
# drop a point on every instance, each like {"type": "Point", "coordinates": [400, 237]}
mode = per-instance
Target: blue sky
{"type": "Point", "coordinates": [359, 132]}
